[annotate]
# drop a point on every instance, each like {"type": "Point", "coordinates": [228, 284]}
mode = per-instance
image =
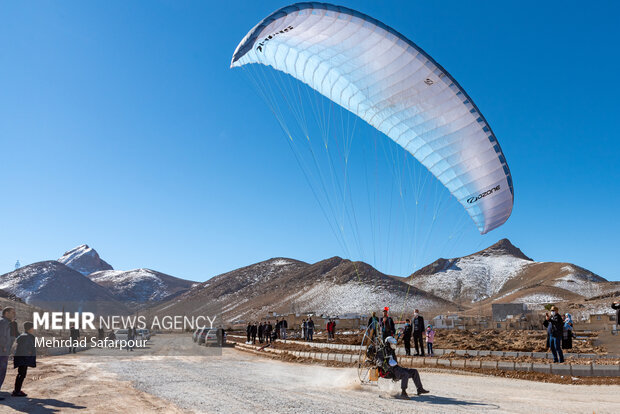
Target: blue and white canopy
{"type": "Point", "coordinates": [387, 80]}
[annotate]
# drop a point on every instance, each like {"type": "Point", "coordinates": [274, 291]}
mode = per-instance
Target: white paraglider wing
{"type": "Point", "coordinates": [388, 81]}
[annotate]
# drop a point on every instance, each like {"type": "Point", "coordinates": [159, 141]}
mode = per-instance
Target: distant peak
{"type": "Point", "coordinates": [501, 248]}
{"type": "Point", "coordinates": [332, 261]}
{"type": "Point", "coordinates": [82, 247]}
{"type": "Point", "coordinates": [84, 259]}
{"type": "Point", "coordinates": [503, 243]}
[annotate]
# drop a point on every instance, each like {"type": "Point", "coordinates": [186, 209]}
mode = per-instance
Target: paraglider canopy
{"type": "Point", "coordinates": [387, 80]}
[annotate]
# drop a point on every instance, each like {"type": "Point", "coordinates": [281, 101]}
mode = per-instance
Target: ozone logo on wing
{"type": "Point", "coordinates": [271, 36]}
{"type": "Point", "coordinates": [473, 199]}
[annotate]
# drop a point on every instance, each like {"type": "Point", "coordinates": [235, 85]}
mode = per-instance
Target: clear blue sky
{"type": "Point", "coordinates": [122, 126]}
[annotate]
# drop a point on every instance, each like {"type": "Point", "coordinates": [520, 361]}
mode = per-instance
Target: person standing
{"type": "Point", "coordinates": [219, 335]}
{"type": "Point", "coordinates": [74, 335]}
{"type": "Point", "coordinates": [261, 328]}
{"type": "Point", "coordinates": [407, 337]}
{"type": "Point", "coordinates": [387, 324]}
{"type": "Point", "coordinates": [418, 333]}
{"type": "Point", "coordinates": [254, 331]}
{"type": "Point", "coordinates": [567, 332]}
{"type": "Point", "coordinates": [333, 329]}
{"type": "Point", "coordinates": [310, 329]}
{"type": "Point", "coordinates": [14, 329]}
{"type": "Point", "coordinates": [25, 356]}
{"type": "Point", "coordinates": [430, 338]}
{"type": "Point", "coordinates": [555, 327]}
{"type": "Point", "coordinates": [373, 324]}
{"type": "Point", "coordinates": [6, 341]}
{"type": "Point", "coordinates": [248, 332]}
{"type": "Point", "coordinates": [616, 306]}
{"type": "Point", "coordinates": [277, 328]}
{"type": "Point", "coordinates": [131, 336]}
{"type": "Point", "coordinates": [100, 334]}
{"type": "Point", "coordinates": [268, 333]}
{"type": "Point", "coordinates": [304, 327]}
{"type": "Point", "coordinates": [283, 326]}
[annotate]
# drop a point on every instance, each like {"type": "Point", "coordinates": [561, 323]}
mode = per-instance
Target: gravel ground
{"type": "Point", "coordinates": [240, 382]}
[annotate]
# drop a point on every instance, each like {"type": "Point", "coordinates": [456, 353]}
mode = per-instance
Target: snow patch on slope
{"type": "Point", "coordinates": [581, 283]}
{"type": "Point", "coordinates": [538, 299]}
{"type": "Point", "coordinates": [281, 262]}
{"type": "Point", "coordinates": [27, 283]}
{"type": "Point", "coordinates": [472, 278]}
{"type": "Point", "coordinates": [354, 297]}
{"type": "Point", "coordinates": [264, 271]}
{"type": "Point", "coordinates": [143, 284]}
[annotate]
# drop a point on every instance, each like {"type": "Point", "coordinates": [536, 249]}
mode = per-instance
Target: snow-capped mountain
{"type": "Point", "coordinates": [84, 259]}
{"type": "Point", "coordinates": [140, 286]}
{"type": "Point", "coordinates": [53, 286]}
{"type": "Point", "coordinates": [499, 273]}
{"type": "Point", "coordinates": [475, 277]}
{"type": "Point", "coordinates": [334, 286]}
{"type": "Point", "coordinates": [503, 273]}
{"type": "Point", "coordinates": [81, 280]}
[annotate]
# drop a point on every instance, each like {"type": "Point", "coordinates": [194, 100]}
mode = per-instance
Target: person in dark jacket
{"type": "Point", "coordinates": [310, 329]}
{"type": "Point", "coordinates": [373, 324]}
{"type": "Point", "coordinates": [283, 327]}
{"type": "Point", "coordinates": [418, 332]}
{"type": "Point", "coordinates": [616, 307]}
{"type": "Point", "coordinates": [25, 356]}
{"type": "Point", "coordinates": [254, 331]}
{"type": "Point", "coordinates": [268, 330]}
{"type": "Point", "coordinates": [555, 328]}
{"type": "Point", "coordinates": [407, 337]}
{"type": "Point", "coordinates": [6, 341]}
{"type": "Point", "coordinates": [100, 334]}
{"type": "Point", "coordinates": [304, 330]}
{"type": "Point", "coordinates": [387, 364]}
{"type": "Point", "coordinates": [14, 329]}
{"type": "Point", "coordinates": [74, 334]}
{"type": "Point", "coordinates": [261, 329]}
{"type": "Point", "coordinates": [387, 324]}
{"type": "Point", "coordinates": [567, 333]}
{"type": "Point", "coordinates": [248, 331]}
{"type": "Point", "coordinates": [220, 335]}
{"type": "Point", "coordinates": [131, 336]}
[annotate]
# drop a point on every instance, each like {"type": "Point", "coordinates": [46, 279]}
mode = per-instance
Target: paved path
{"type": "Point", "coordinates": [241, 382]}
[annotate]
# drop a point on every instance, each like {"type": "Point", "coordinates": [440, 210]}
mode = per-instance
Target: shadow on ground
{"type": "Point", "coordinates": [445, 401]}
{"type": "Point", "coordinates": [38, 405]}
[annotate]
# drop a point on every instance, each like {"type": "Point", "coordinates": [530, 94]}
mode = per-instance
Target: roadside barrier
{"type": "Point", "coordinates": [461, 352]}
{"type": "Point", "coordinates": [576, 370]}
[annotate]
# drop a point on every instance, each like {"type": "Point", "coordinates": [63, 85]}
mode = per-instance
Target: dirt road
{"type": "Point", "coordinates": [77, 384]}
{"type": "Point", "coordinates": [173, 378]}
